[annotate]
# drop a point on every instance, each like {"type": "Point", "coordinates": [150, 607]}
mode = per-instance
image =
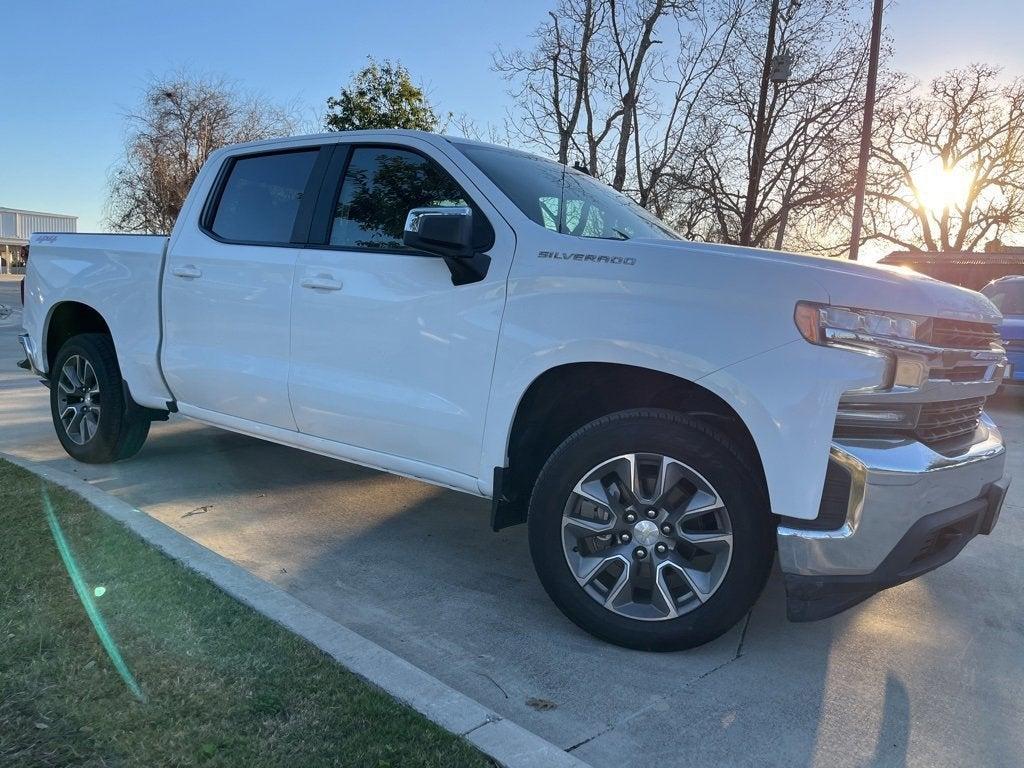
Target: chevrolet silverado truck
{"type": "Point", "coordinates": [664, 415]}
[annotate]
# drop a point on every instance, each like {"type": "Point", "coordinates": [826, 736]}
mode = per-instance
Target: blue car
{"type": "Point", "coordinates": [1007, 293]}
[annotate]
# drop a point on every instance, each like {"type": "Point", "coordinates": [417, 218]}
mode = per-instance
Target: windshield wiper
{"type": "Point", "coordinates": [621, 235]}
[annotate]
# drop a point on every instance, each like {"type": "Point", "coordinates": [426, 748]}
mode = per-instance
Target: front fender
{"type": "Point", "coordinates": [515, 373]}
{"type": "Point", "coordinates": [788, 398]}
{"type": "Point", "coordinates": [564, 312]}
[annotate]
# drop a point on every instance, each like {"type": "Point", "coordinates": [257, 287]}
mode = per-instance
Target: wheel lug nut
{"type": "Point", "coordinates": [652, 513]}
{"type": "Point", "coordinates": [630, 517]}
{"type": "Point", "coordinates": [660, 548]}
{"type": "Point", "coordinates": [625, 538]}
{"type": "Point", "coordinates": [666, 529]}
{"type": "Point", "coordinates": [639, 553]}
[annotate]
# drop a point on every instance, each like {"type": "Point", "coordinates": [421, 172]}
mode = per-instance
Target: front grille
{"type": "Point", "coordinates": [940, 422]}
{"type": "Point", "coordinates": [960, 373]}
{"type": "Point", "coordinates": [966, 361]}
{"type": "Point", "coordinates": [957, 334]}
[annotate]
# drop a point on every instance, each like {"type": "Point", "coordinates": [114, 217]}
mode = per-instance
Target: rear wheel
{"type": "Point", "coordinates": [94, 421]}
{"type": "Point", "coordinates": [648, 529]}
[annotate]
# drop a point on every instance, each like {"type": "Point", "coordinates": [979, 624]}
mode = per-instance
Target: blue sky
{"type": "Point", "coordinates": [72, 69]}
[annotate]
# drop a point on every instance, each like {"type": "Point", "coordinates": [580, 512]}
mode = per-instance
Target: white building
{"type": "Point", "coordinates": [17, 226]}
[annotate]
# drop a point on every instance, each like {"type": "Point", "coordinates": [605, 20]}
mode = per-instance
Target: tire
{"type": "Point", "coordinates": [703, 588]}
{"type": "Point", "coordinates": [111, 428]}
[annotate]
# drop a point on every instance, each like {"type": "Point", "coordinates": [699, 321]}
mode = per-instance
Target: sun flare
{"type": "Point", "coordinates": [939, 187]}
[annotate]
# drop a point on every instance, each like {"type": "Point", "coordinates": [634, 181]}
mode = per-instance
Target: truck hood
{"type": "Point", "coordinates": [863, 286]}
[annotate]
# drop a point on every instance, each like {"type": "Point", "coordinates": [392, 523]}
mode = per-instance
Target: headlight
{"type": "Point", "coordinates": [821, 324]}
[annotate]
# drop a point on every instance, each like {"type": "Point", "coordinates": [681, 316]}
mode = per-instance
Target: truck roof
{"type": "Point", "coordinates": [376, 133]}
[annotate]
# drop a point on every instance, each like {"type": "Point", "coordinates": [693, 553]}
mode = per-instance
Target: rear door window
{"type": "Point", "coordinates": [261, 197]}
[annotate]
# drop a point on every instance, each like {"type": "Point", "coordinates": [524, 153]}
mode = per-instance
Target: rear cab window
{"type": "Point", "coordinates": [260, 196]}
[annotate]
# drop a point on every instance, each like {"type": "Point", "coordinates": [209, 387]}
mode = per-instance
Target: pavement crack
{"type": "Point", "coordinates": [488, 721]}
{"type": "Point", "coordinates": [590, 738]}
{"type": "Point", "coordinates": [737, 654]}
{"type": "Point", "coordinates": [743, 635]}
{"type": "Point", "coordinates": [711, 671]}
{"type": "Point", "coordinates": [199, 510]}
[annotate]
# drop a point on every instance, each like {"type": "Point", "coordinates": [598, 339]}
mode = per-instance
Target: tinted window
{"type": "Point", "coordinates": [564, 200]}
{"type": "Point", "coordinates": [1008, 296]}
{"type": "Point", "coordinates": [381, 186]}
{"type": "Point", "coordinates": [261, 197]}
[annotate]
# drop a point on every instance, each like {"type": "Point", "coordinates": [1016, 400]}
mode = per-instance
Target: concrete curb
{"type": "Point", "coordinates": [505, 742]}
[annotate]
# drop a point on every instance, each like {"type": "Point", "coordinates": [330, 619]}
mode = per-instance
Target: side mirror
{"type": "Point", "coordinates": [444, 230]}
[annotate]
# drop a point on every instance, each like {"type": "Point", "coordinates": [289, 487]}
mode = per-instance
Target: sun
{"type": "Point", "coordinates": [939, 187]}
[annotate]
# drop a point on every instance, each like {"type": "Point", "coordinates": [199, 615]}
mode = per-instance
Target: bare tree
{"type": "Point", "coordinates": [660, 98]}
{"type": "Point", "coordinates": [807, 152]}
{"type": "Point", "coordinates": [947, 165]}
{"type": "Point", "coordinates": [552, 81]}
{"type": "Point", "coordinates": [183, 118]}
{"type": "Point", "coordinates": [604, 89]}
{"type": "Point", "coordinates": [669, 134]}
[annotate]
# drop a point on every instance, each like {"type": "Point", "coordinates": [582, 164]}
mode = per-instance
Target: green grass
{"type": "Point", "coordinates": [223, 685]}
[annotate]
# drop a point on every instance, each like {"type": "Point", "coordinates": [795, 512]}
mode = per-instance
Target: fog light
{"type": "Point", "coordinates": [910, 373]}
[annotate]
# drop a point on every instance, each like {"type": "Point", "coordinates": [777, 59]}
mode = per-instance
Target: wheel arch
{"type": "Point", "coordinates": [65, 320]}
{"type": "Point", "coordinates": [563, 398]}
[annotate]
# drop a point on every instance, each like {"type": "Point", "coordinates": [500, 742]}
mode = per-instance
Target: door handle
{"type": "Point", "coordinates": [321, 283]}
{"type": "Point", "coordinates": [188, 271]}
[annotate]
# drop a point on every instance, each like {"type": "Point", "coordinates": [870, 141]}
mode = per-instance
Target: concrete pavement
{"type": "Point", "coordinates": [927, 674]}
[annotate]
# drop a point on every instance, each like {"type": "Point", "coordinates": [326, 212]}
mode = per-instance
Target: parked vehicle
{"type": "Point", "coordinates": [663, 414]}
{"type": "Point", "coordinates": [1007, 293]}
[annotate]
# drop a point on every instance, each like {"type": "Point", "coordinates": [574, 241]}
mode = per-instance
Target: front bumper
{"type": "Point", "coordinates": [910, 510]}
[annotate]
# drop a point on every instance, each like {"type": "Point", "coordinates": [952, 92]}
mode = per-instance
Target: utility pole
{"type": "Point", "coordinates": [760, 132]}
{"type": "Point", "coordinates": [865, 133]}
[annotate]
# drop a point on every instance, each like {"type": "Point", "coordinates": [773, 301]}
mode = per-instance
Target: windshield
{"type": "Point", "coordinates": [564, 200]}
{"type": "Point", "coordinates": [1008, 296]}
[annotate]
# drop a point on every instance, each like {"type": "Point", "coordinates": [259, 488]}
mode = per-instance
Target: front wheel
{"type": "Point", "coordinates": [93, 420]}
{"type": "Point", "coordinates": [648, 529]}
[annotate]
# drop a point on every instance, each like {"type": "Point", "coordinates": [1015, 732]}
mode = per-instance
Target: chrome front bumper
{"type": "Point", "coordinates": [904, 498]}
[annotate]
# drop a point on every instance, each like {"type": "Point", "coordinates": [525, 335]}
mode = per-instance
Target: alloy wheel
{"type": "Point", "coordinates": [647, 536]}
{"type": "Point", "coordinates": [78, 399]}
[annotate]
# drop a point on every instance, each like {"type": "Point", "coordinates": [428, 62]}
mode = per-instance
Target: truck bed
{"type": "Point", "coordinates": [119, 274]}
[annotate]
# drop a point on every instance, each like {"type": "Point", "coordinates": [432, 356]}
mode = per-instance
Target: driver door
{"type": "Point", "coordinates": [387, 354]}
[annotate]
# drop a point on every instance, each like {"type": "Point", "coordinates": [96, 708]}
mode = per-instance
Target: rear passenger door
{"type": "Point", "coordinates": [228, 288]}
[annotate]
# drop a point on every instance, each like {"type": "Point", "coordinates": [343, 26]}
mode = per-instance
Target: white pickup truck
{"type": "Point", "coordinates": [663, 414]}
